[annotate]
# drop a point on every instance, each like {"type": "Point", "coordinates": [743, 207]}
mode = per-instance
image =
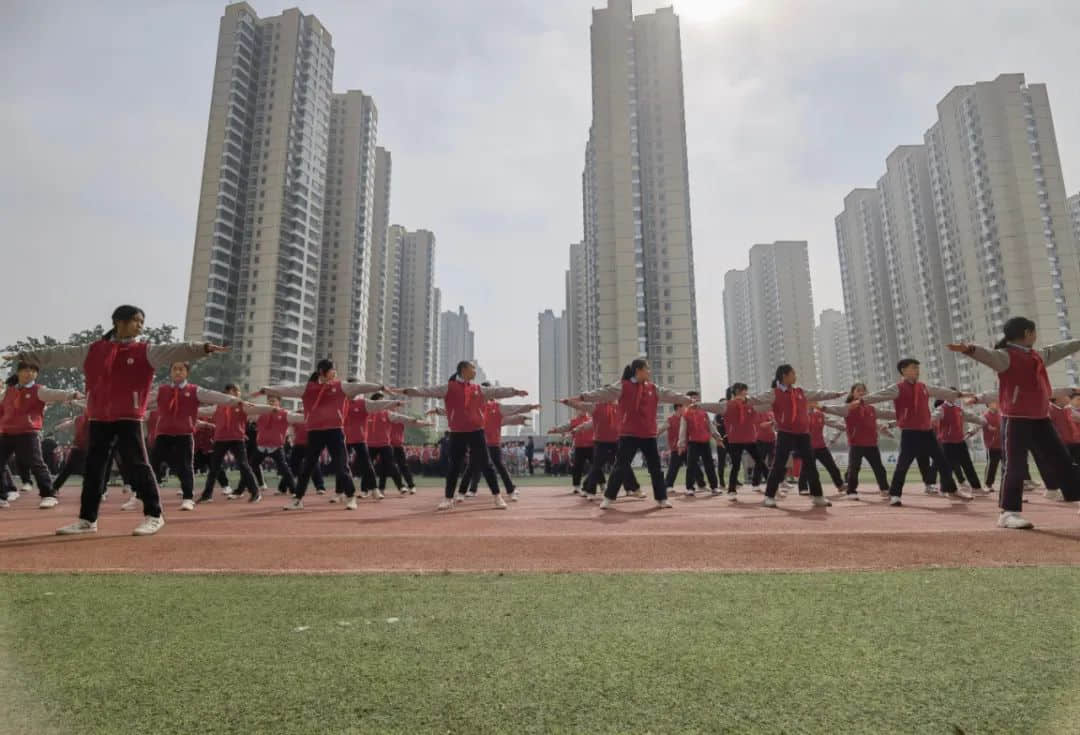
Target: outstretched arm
{"type": "Point", "coordinates": [885, 394]}
{"type": "Point", "coordinates": [516, 408]}
{"type": "Point", "coordinates": [719, 408]}
{"type": "Point", "coordinates": [1061, 350]}
{"type": "Point", "coordinates": [824, 395]}
{"type": "Point", "coordinates": [431, 391]}
{"type": "Point", "coordinates": [165, 355]}
{"type": "Point", "coordinates": [352, 390]}
{"type": "Point", "coordinates": [51, 395]}
{"type": "Point", "coordinates": [666, 395]}
{"type": "Point", "coordinates": [998, 360]}
{"type": "Point", "coordinates": [497, 392]}
{"type": "Point", "coordinates": [62, 356]}
{"type": "Point", "coordinates": [213, 397]}
{"type": "Point", "coordinates": [292, 390]}
{"type": "Point", "coordinates": [603, 395]}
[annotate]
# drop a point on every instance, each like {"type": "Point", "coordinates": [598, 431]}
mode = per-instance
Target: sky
{"type": "Point", "coordinates": [485, 107]}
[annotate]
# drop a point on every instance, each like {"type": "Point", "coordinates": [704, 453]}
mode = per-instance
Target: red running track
{"type": "Point", "coordinates": [549, 530]}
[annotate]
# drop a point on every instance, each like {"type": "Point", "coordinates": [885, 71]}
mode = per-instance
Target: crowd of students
{"type": "Point", "coordinates": [353, 430]}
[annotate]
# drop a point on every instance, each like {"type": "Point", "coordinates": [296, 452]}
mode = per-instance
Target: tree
{"type": "Point", "coordinates": [72, 378]}
{"type": "Point", "coordinates": [217, 371]}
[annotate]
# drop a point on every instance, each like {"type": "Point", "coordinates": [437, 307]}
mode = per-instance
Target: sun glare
{"type": "Point", "coordinates": [706, 11]}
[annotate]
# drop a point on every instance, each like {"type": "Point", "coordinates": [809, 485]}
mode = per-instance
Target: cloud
{"type": "Point", "coordinates": [485, 106]}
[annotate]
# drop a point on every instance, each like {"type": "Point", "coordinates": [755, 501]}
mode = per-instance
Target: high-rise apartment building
{"type": "Point", "coordinates": [769, 316]}
{"type": "Point", "coordinates": [256, 264]}
{"type": "Point", "coordinates": [377, 359]}
{"type": "Point", "coordinates": [581, 318]}
{"type": "Point", "coordinates": [915, 277]}
{"type": "Point", "coordinates": [456, 342]}
{"type": "Point", "coordinates": [637, 197]}
{"type": "Point", "coordinates": [417, 335]}
{"type": "Point", "coordinates": [867, 298]}
{"type": "Point", "coordinates": [554, 365]}
{"type": "Point", "coordinates": [999, 199]}
{"type": "Point", "coordinates": [344, 293]}
{"type": "Point", "coordinates": [739, 330]}
{"type": "Point", "coordinates": [834, 353]}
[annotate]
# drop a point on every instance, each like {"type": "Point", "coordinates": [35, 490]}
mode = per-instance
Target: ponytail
{"type": "Point", "coordinates": [122, 313]}
{"type": "Point", "coordinates": [851, 393]}
{"type": "Point", "coordinates": [781, 371]}
{"type": "Point", "coordinates": [322, 368]}
{"type": "Point", "coordinates": [1015, 329]}
{"type": "Point", "coordinates": [12, 380]}
{"type": "Point", "coordinates": [627, 372]}
{"type": "Point", "coordinates": [631, 370]}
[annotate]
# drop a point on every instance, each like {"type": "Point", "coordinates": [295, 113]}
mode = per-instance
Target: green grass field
{"type": "Point", "coordinates": [952, 651]}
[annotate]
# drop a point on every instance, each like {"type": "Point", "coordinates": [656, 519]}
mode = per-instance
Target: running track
{"type": "Point", "coordinates": [549, 530]}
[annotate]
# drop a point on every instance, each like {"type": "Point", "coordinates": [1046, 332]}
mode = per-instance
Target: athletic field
{"type": "Point", "coordinates": [552, 616]}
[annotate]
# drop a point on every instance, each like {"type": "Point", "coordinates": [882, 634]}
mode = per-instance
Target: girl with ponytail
{"type": "Point", "coordinates": [1024, 395]}
{"type": "Point", "coordinates": [119, 371]}
{"type": "Point", "coordinates": [790, 408]}
{"type": "Point", "coordinates": [861, 424]}
{"type": "Point", "coordinates": [464, 401]}
{"type": "Point", "coordinates": [638, 398]}
{"type": "Point", "coordinates": [325, 400]}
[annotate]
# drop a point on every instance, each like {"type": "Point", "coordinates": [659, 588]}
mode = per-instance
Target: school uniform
{"type": "Point", "coordinates": [497, 415]}
{"type": "Point", "coordinates": [357, 422]}
{"type": "Point", "coordinates": [464, 402]}
{"type": "Point", "coordinates": [951, 433]}
{"type": "Point", "coordinates": [20, 429]}
{"type": "Point", "coordinates": [230, 437]}
{"type": "Point", "coordinates": [1024, 395]}
{"type": "Point", "coordinates": [325, 409]}
{"type": "Point", "coordinates": [911, 401]}
{"type": "Point", "coordinates": [861, 429]}
{"type": "Point", "coordinates": [818, 422]}
{"type": "Point", "coordinates": [766, 447]}
{"type": "Point", "coordinates": [173, 422]}
{"type": "Point", "coordinates": [401, 457]}
{"type": "Point", "coordinates": [637, 404]}
{"type": "Point", "coordinates": [992, 442]}
{"type": "Point", "coordinates": [119, 374]}
{"type": "Point", "coordinates": [790, 412]}
{"type": "Point", "coordinates": [696, 433]}
{"type": "Point", "coordinates": [297, 454]}
{"type": "Point", "coordinates": [1066, 422]}
{"type": "Point", "coordinates": [742, 422]}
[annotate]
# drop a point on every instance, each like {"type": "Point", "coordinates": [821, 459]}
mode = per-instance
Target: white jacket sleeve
{"type": "Point", "coordinates": [719, 408]}
{"type": "Point", "coordinates": [217, 399]}
{"type": "Point", "coordinates": [352, 390]}
{"type": "Point", "coordinates": [603, 395]}
{"type": "Point", "coordinates": [998, 360]}
{"type": "Point", "coordinates": [666, 395]}
{"type": "Point", "coordinates": [1061, 350]}
{"type": "Point", "coordinates": [515, 409]}
{"type": "Point", "coordinates": [431, 391]}
{"type": "Point", "coordinates": [51, 395]}
{"type": "Point", "coordinates": [890, 393]}
{"type": "Point", "coordinates": [296, 390]}
{"type": "Point", "coordinates": [63, 356]}
{"type": "Point", "coordinates": [496, 392]}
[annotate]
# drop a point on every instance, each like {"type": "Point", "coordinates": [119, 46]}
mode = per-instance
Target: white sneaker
{"type": "Point", "coordinates": [446, 504]}
{"type": "Point", "coordinates": [4, 503]}
{"type": "Point", "coordinates": [296, 504]}
{"type": "Point", "coordinates": [1011, 519]}
{"type": "Point", "coordinates": [852, 496]}
{"type": "Point", "coordinates": [514, 496]}
{"type": "Point", "coordinates": [78, 527]}
{"type": "Point", "coordinates": [639, 493]}
{"type": "Point", "coordinates": [588, 498]}
{"type": "Point", "coordinates": [756, 488]}
{"type": "Point", "coordinates": [228, 491]}
{"type": "Point", "coordinates": [13, 496]}
{"type": "Point", "coordinates": [379, 495]}
{"type": "Point", "coordinates": [402, 491]}
{"type": "Point", "coordinates": [962, 494]}
{"type": "Point", "coordinates": [133, 503]}
{"type": "Point", "coordinates": [1030, 485]}
{"type": "Point", "coordinates": [336, 497]}
{"type": "Point", "coordinates": [781, 492]}
{"type": "Point", "coordinates": [576, 491]}
{"type": "Point", "coordinates": [471, 494]}
{"type": "Point", "coordinates": [606, 503]}
{"type": "Point", "coordinates": [733, 496]}
{"type": "Point", "coordinates": [149, 526]}
{"type": "Point", "coordinates": [27, 487]}
{"type": "Point", "coordinates": [786, 485]}
{"type": "Point", "coordinates": [716, 491]}
{"type": "Point", "coordinates": [351, 504]}
{"type": "Point", "coordinates": [965, 486]}
{"type": "Point", "coordinates": [412, 491]}
{"type": "Point", "coordinates": [894, 500]}
{"type": "Point", "coordinates": [188, 504]}
{"type": "Point", "coordinates": [1050, 495]}
{"type": "Point", "coordinates": [49, 502]}
{"type": "Point", "coordinates": [364, 495]}
{"type": "Point", "coordinates": [279, 492]}
{"type": "Point", "coordinates": [180, 493]}
{"type": "Point", "coordinates": [500, 503]}
{"type": "Point", "coordinates": [690, 493]}
{"type": "Point", "coordinates": [931, 490]}
{"type": "Point", "coordinates": [820, 501]}
{"type": "Point", "coordinates": [769, 502]}
{"type": "Point", "coordinates": [665, 503]}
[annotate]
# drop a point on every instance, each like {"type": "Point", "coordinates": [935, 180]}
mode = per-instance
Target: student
{"type": "Point", "coordinates": [1024, 394]}
{"type": "Point", "coordinates": [1067, 422]}
{"type": "Point", "coordinates": [324, 398]}
{"type": "Point", "coordinates": [861, 428]}
{"type": "Point", "coordinates": [357, 423]}
{"type": "Point", "coordinates": [584, 445]}
{"type": "Point", "coordinates": [790, 410]}
{"type": "Point", "coordinates": [24, 404]}
{"type": "Point", "coordinates": [638, 398]}
{"type": "Point", "coordinates": [230, 437]}
{"type": "Point", "coordinates": [75, 462]}
{"type": "Point", "coordinates": [492, 473]}
{"type": "Point", "coordinates": [695, 431]}
{"type": "Point", "coordinates": [380, 425]}
{"type": "Point", "coordinates": [951, 434]}
{"type": "Point", "coordinates": [911, 400]}
{"type": "Point", "coordinates": [721, 445]}
{"type": "Point", "coordinates": [464, 401]}
{"type": "Point", "coordinates": [818, 422]}
{"type": "Point", "coordinates": [270, 431]}
{"type": "Point", "coordinates": [766, 447]}
{"type": "Point", "coordinates": [677, 457]}
{"type": "Point", "coordinates": [742, 422]}
{"type": "Point", "coordinates": [401, 456]}
{"type": "Point", "coordinates": [119, 373]}
{"type": "Point", "coordinates": [176, 406]}
{"type": "Point", "coordinates": [497, 415]}
{"type": "Point", "coordinates": [604, 426]}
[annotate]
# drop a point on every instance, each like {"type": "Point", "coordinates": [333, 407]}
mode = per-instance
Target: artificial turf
{"type": "Point", "coordinates": [940, 651]}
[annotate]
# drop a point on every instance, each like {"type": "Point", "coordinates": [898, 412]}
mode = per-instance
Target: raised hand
{"type": "Point", "coordinates": [959, 347]}
{"type": "Point", "coordinates": [521, 393]}
{"type": "Point", "coordinates": [211, 348]}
